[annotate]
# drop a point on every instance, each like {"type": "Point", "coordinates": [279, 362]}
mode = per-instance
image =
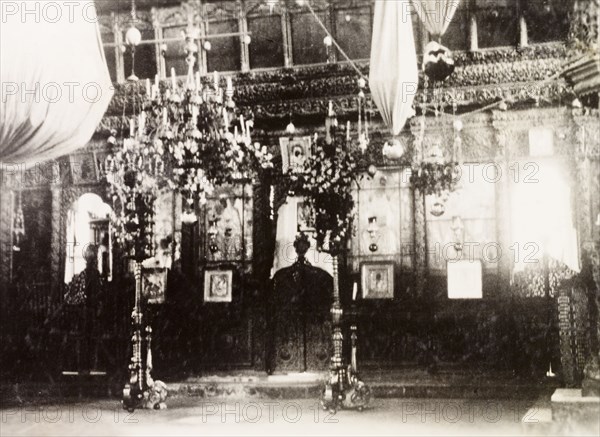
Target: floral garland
{"type": "Point", "coordinates": [326, 182]}
{"type": "Point", "coordinates": [435, 178]}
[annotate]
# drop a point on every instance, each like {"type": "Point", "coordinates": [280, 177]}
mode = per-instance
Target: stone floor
{"type": "Point", "coordinates": [195, 416]}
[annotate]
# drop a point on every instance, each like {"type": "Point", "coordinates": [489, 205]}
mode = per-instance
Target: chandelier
{"type": "Point", "coordinates": [189, 137]}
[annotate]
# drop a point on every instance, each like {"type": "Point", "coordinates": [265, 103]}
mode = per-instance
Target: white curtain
{"type": "Point", "coordinates": [393, 77]}
{"type": "Point", "coordinates": [436, 14]}
{"type": "Point", "coordinates": [54, 79]}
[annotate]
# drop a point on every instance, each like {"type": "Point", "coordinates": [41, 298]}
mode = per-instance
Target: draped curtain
{"type": "Point", "coordinates": [54, 79]}
{"type": "Point", "coordinates": [393, 77]}
{"type": "Point", "coordinates": [436, 14]}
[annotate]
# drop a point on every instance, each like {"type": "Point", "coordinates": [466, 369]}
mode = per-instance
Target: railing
{"type": "Point", "coordinates": [40, 336]}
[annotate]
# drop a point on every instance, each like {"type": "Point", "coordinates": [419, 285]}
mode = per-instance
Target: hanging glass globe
{"type": "Point", "coordinates": [133, 36]}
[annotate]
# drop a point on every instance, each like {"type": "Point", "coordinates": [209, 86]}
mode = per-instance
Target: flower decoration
{"type": "Point", "coordinates": [190, 139]}
{"type": "Point", "coordinates": [435, 178]}
{"type": "Point", "coordinates": [326, 182]}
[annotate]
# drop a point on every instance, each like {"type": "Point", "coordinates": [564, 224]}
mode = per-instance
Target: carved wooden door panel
{"type": "Point", "coordinates": [300, 311]}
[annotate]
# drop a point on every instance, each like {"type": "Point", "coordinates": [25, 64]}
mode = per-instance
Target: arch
{"type": "Point", "coordinates": [88, 223]}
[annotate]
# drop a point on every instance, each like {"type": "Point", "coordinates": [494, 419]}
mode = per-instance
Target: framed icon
{"type": "Point", "coordinates": [305, 217]}
{"type": "Point", "coordinates": [154, 284]}
{"type": "Point", "coordinates": [294, 151]}
{"type": "Point", "coordinates": [218, 285]}
{"type": "Point", "coordinates": [377, 280]}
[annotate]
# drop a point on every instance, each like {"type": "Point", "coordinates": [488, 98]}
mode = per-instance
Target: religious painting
{"type": "Point", "coordinates": [163, 228]}
{"type": "Point", "coordinates": [228, 224]}
{"type": "Point", "coordinates": [377, 280]}
{"type": "Point", "coordinates": [154, 284]}
{"type": "Point", "coordinates": [305, 217]}
{"type": "Point", "coordinates": [218, 285]}
{"type": "Point", "coordinates": [83, 168]}
{"type": "Point", "coordinates": [294, 151]}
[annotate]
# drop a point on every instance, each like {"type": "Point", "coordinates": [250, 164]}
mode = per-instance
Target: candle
{"type": "Point", "coordinates": [354, 290]}
{"type": "Point", "coordinates": [131, 127]}
{"type": "Point", "coordinates": [229, 85]}
{"type": "Point", "coordinates": [198, 81]}
{"type": "Point", "coordinates": [173, 79]}
{"type": "Point", "coordinates": [154, 91]}
{"type": "Point", "coordinates": [156, 81]}
{"type": "Point", "coordinates": [225, 118]}
{"type": "Point", "coordinates": [148, 89]}
{"type": "Point", "coordinates": [216, 79]}
{"type": "Point", "coordinates": [141, 122]}
{"type": "Point", "coordinates": [348, 130]}
{"type": "Point", "coordinates": [164, 116]}
{"type": "Point", "coordinates": [242, 125]}
{"type": "Point", "coordinates": [330, 113]}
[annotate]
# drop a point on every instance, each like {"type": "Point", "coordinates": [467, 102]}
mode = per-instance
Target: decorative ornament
{"type": "Point", "coordinates": [328, 41]}
{"type": "Point", "coordinates": [395, 150]}
{"type": "Point", "coordinates": [438, 63]}
{"type": "Point", "coordinates": [290, 128]}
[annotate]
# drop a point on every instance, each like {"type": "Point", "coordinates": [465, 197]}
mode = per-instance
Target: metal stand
{"type": "Point", "coordinates": [343, 389]}
{"type": "Point", "coordinates": [142, 391]}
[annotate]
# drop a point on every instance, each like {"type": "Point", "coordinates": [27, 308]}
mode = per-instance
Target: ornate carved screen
{"type": "Point", "coordinates": [469, 218]}
{"type": "Point", "coordinates": [384, 219]}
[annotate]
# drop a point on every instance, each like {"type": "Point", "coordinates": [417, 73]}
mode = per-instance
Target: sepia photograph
{"type": "Point", "coordinates": [299, 217]}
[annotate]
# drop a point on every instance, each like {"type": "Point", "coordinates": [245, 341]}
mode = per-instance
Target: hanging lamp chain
{"type": "Point", "coordinates": [133, 11]}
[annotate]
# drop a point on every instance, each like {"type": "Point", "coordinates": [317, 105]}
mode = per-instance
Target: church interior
{"type": "Point", "coordinates": [341, 200]}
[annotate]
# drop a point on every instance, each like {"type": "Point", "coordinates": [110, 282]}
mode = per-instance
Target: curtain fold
{"type": "Point", "coordinates": [393, 77]}
{"type": "Point", "coordinates": [436, 15]}
{"type": "Point", "coordinates": [54, 79]}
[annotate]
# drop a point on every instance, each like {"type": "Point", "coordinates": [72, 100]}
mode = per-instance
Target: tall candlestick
{"type": "Point", "coordinates": [173, 79]}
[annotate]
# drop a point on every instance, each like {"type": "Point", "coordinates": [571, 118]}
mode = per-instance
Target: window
{"type": "Point", "coordinates": [175, 54]}
{"type": "Point", "coordinates": [457, 34]}
{"type": "Point", "coordinates": [497, 22]}
{"type": "Point", "coordinates": [353, 32]}
{"type": "Point", "coordinates": [222, 18]}
{"type": "Point", "coordinates": [108, 39]}
{"type": "Point", "coordinates": [307, 38]}
{"type": "Point", "coordinates": [266, 48]}
{"type": "Point", "coordinates": [225, 52]}
{"type": "Point", "coordinates": [547, 20]}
